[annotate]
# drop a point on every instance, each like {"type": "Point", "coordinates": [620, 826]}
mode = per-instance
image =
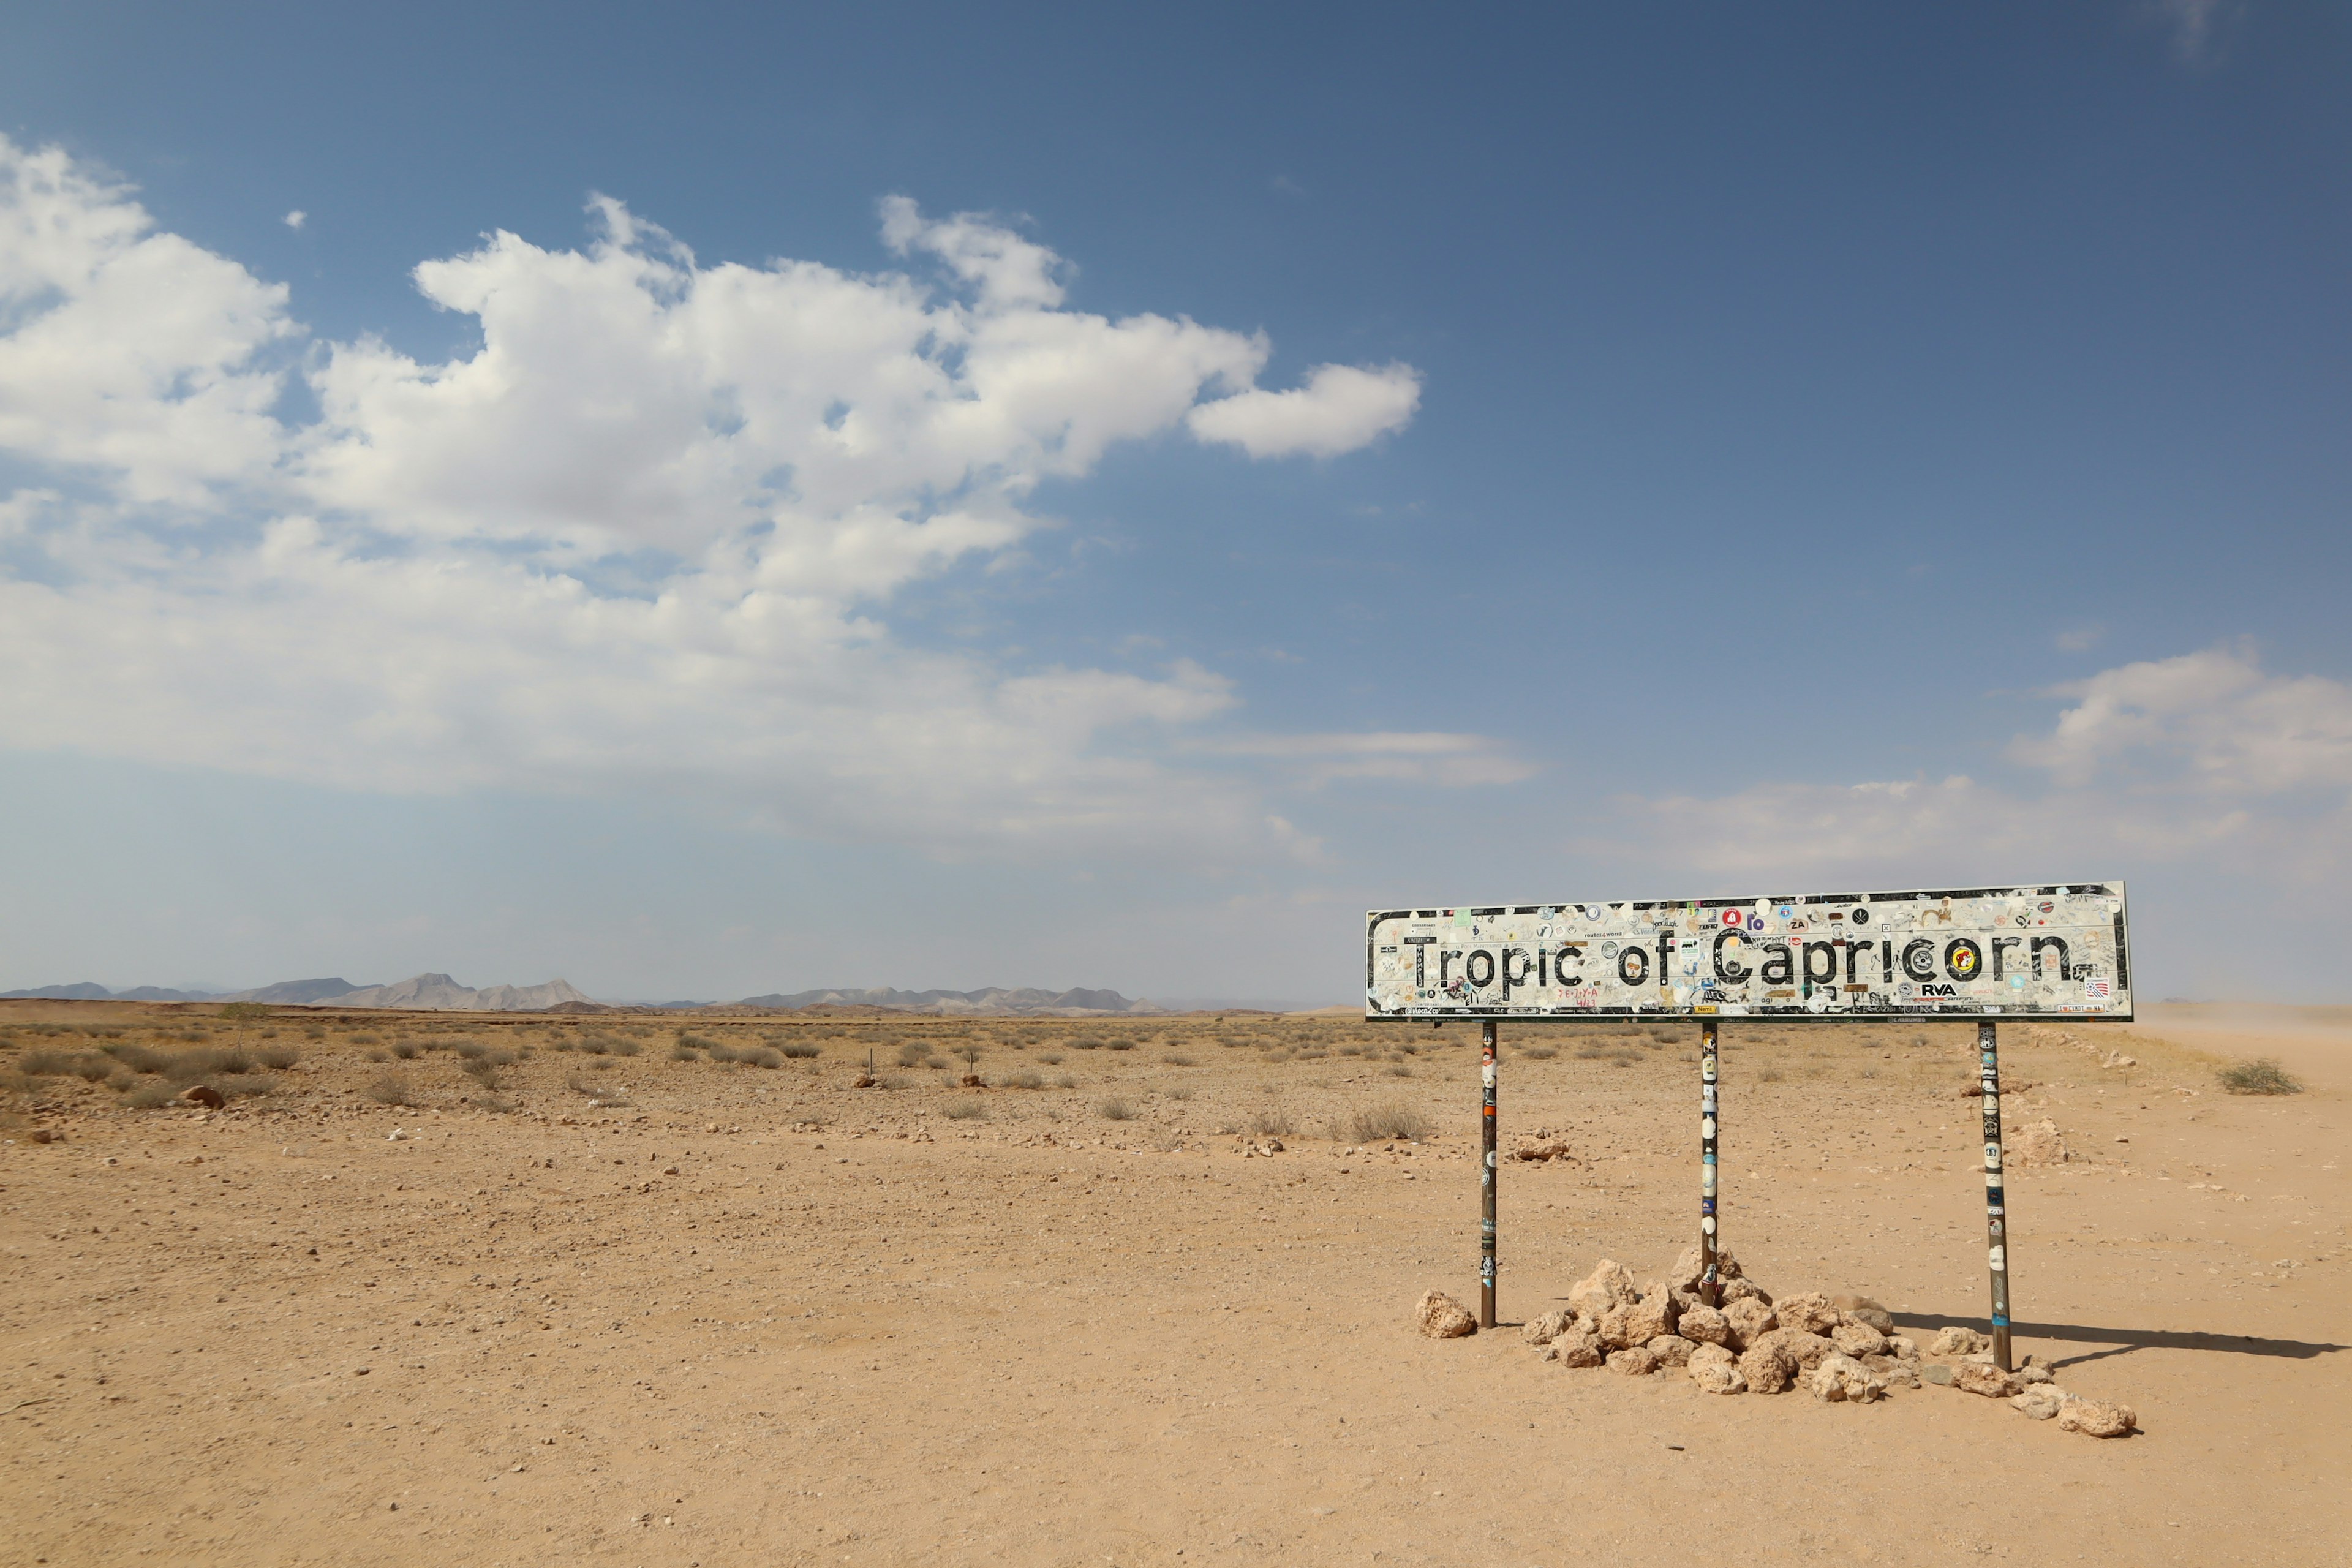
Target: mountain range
{"type": "Point", "coordinates": [439, 992]}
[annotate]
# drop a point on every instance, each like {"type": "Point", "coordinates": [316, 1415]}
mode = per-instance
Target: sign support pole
{"type": "Point", "coordinates": [1709, 1287]}
{"type": "Point", "coordinates": [1996, 1199]}
{"type": "Point", "coordinates": [1487, 1175]}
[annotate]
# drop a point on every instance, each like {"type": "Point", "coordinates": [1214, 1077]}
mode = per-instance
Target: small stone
{"type": "Point", "coordinates": [1653, 1315]}
{"type": "Point", "coordinates": [1766, 1367]}
{"type": "Point", "coordinates": [1808, 1351]}
{"type": "Point", "coordinates": [1862, 1310]}
{"type": "Point", "coordinates": [2033, 1144]}
{"type": "Point", "coordinates": [1749, 1320]}
{"type": "Point", "coordinates": [1937, 1373]}
{"type": "Point", "coordinates": [1898, 1345]}
{"type": "Point", "coordinates": [1579, 1347]}
{"type": "Point", "coordinates": [1547, 1327]}
{"type": "Point", "coordinates": [2029, 1375]}
{"type": "Point", "coordinates": [46, 1136]}
{"type": "Point", "coordinates": [397, 1136]}
{"type": "Point", "coordinates": [1609, 1285]}
{"type": "Point", "coordinates": [1442, 1317]}
{"type": "Point", "coordinates": [1704, 1324]}
{"type": "Point", "coordinates": [206, 1095]}
{"type": "Point", "coordinates": [1614, 1330]}
{"type": "Point", "coordinates": [1712, 1355]}
{"type": "Point", "coordinates": [2039, 1402]}
{"type": "Point", "coordinates": [1808, 1313]}
{"type": "Point", "coordinates": [1957, 1340]}
{"type": "Point", "coordinates": [2096, 1418]}
{"type": "Point", "coordinates": [1742, 1291]}
{"type": "Point", "coordinates": [1634, 1362]}
{"type": "Point", "coordinates": [669, 1170]}
{"type": "Point", "coordinates": [1672, 1350]}
{"type": "Point", "coordinates": [1717, 1376]}
{"type": "Point", "coordinates": [1983, 1377]}
{"type": "Point", "coordinates": [1858, 1339]}
{"type": "Point", "coordinates": [1842, 1379]}
{"type": "Point", "coordinates": [1898, 1372]}
{"type": "Point", "coordinates": [1271, 1146]}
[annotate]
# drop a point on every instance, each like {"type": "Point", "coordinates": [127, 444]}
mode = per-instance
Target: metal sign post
{"type": "Point", "coordinates": [2059, 952]}
{"type": "Point", "coordinates": [1708, 1128]}
{"type": "Point", "coordinates": [1996, 1198]}
{"type": "Point", "coordinates": [1486, 1173]}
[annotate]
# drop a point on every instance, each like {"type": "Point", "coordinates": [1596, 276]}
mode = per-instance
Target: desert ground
{"type": "Point", "coordinates": [518, 1289]}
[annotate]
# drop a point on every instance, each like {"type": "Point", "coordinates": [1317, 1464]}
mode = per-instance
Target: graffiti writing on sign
{"type": "Point", "coordinates": [2059, 951]}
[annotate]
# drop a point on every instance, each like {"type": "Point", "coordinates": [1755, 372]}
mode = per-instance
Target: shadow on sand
{"type": "Point", "coordinates": [2123, 1342]}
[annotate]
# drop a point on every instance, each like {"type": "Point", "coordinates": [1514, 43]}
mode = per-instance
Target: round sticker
{"type": "Point", "coordinates": [1859, 917]}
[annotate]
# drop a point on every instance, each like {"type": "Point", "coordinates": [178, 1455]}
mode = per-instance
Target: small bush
{"type": "Point", "coordinates": [1119, 1045]}
{"type": "Point", "coordinates": [1086, 1043]}
{"type": "Point", "coordinates": [364, 1039]}
{"type": "Point", "coordinates": [1540, 1053]}
{"type": "Point", "coordinates": [682, 1052]}
{"type": "Point", "coordinates": [914, 1054]}
{"type": "Point", "coordinates": [1381, 1123]}
{"type": "Point", "coordinates": [1183, 1093]}
{"type": "Point", "coordinates": [1022, 1080]}
{"type": "Point", "coordinates": [761, 1056]}
{"type": "Point", "coordinates": [45, 1064]}
{"type": "Point", "coordinates": [151, 1097]}
{"type": "Point", "coordinates": [482, 1070]}
{"type": "Point", "coordinates": [963, 1111]}
{"type": "Point", "coordinates": [138, 1059]}
{"type": "Point", "coordinates": [1272, 1122]}
{"type": "Point", "coordinates": [1116, 1109]}
{"type": "Point", "coordinates": [1052, 1058]}
{"type": "Point", "coordinates": [1066, 1081]}
{"type": "Point", "coordinates": [250, 1087]}
{"type": "Point", "coordinates": [1177, 1059]}
{"type": "Point", "coordinates": [2262, 1076]}
{"type": "Point", "coordinates": [604, 1096]}
{"type": "Point", "coordinates": [799, 1050]}
{"type": "Point", "coordinates": [596, 1045]}
{"type": "Point", "coordinates": [626, 1047]}
{"type": "Point", "coordinates": [469, 1050]}
{"type": "Point", "coordinates": [94, 1068]}
{"type": "Point", "coordinates": [407, 1050]}
{"type": "Point", "coordinates": [389, 1089]}
{"type": "Point", "coordinates": [276, 1058]}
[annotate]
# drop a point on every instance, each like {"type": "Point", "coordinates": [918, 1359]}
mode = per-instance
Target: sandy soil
{"type": "Point", "coordinates": [753, 1315]}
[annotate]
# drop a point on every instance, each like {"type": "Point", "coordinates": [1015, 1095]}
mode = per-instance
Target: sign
{"type": "Point", "coordinates": [2057, 952]}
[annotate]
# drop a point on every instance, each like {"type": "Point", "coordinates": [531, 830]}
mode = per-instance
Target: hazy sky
{"type": "Point", "coordinates": [708, 501]}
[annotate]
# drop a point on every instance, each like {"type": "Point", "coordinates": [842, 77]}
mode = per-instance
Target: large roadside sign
{"type": "Point", "coordinates": [2055, 951]}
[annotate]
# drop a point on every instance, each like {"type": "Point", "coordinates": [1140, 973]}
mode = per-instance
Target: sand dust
{"type": "Point", "coordinates": [723, 1313]}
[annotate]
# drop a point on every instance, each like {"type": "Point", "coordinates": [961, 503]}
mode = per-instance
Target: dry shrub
{"type": "Point", "coordinates": [914, 1054]}
{"type": "Point", "coordinates": [2260, 1076]}
{"type": "Point", "coordinates": [1180, 1094]}
{"type": "Point", "coordinates": [1022, 1080]}
{"type": "Point", "coordinates": [682, 1052]}
{"type": "Point", "coordinates": [1540, 1053]}
{"type": "Point", "coordinates": [407, 1050]}
{"type": "Point", "coordinates": [759, 1057]}
{"type": "Point", "coordinates": [390, 1088]}
{"type": "Point", "coordinates": [1177, 1059]}
{"type": "Point", "coordinates": [963, 1111]}
{"type": "Point", "coordinates": [151, 1097]}
{"type": "Point", "coordinates": [482, 1070]}
{"type": "Point", "coordinates": [604, 1096]}
{"type": "Point", "coordinates": [1272, 1122]}
{"type": "Point", "coordinates": [1116, 1109]}
{"type": "Point", "coordinates": [1066, 1081]}
{"type": "Point", "coordinates": [276, 1057]}
{"type": "Point", "coordinates": [47, 1064]}
{"type": "Point", "coordinates": [799, 1050]}
{"type": "Point", "coordinates": [1383, 1124]}
{"type": "Point", "coordinates": [138, 1059]}
{"type": "Point", "coordinates": [1052, 1058]}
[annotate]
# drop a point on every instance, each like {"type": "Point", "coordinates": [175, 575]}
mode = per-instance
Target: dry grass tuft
{"type": "Point", "coordinates": [963, 1111]}
{"type": "Point", "coordinates": [1115, 1109]}
{"type": "Point", "coordinates": [1381, 1123]}
{"type": "Point", "coordinates": [390, 1088]}
{"type": "Point", "coordinates": [2260, 1076]}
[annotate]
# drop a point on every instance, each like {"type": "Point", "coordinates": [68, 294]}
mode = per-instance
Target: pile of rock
{"type": "Point", "coordinates": [1840, 1349]}
{"type": "Point", "coordinates": [2029, 1390]}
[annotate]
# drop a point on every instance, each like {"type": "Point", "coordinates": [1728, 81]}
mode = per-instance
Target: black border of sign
{"type": "Point", "coordinates": [1796, 1014]}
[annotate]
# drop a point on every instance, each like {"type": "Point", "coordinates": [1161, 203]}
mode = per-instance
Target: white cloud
{"type": "Point", "coordinates": [2194, 24]}
{"type": "Point", "coordinates": [412, 592]}
{"type": "Point", "coordinates": [1340, 408]}
{"type": "Point", "coordinates": [296, 218]}
{"type": "Point", "coordinates": [2201, 756]}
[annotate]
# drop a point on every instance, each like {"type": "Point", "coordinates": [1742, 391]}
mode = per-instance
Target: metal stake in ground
{"type": "Point", "coordinates": [1996, 1203]}
{"type": "Point", "coordinates": [1487, 1175]}
{"type": "Point", "coordinates": [1708, 1286]}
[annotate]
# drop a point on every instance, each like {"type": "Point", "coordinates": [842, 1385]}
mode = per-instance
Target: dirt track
{"type": "Point", "coordinates": [698, 1329]}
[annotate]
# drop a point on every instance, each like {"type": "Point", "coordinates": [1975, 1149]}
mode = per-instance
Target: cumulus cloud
{"type": "Point", "coordinates": [1340, 408]}
{"type": "Point", "coordinates": [2203, 756]}
{"type": "Point", "coordinates": [645, 535]}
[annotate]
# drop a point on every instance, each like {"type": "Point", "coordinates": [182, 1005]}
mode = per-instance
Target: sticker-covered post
{"type": "Point", "coordinates": [1487, 1174]}
{"type": "Point", "coordinates": [1708, 1282]}
{"type": "Point", "coordinates": [1996, 1198]}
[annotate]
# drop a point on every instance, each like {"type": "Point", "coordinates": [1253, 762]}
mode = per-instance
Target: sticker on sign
{"type": "Point", "coordinates": [2059, 951]}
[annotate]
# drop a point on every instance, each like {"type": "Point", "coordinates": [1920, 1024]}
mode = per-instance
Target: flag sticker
{"type": "Point", "coordinates": [2094, 991]}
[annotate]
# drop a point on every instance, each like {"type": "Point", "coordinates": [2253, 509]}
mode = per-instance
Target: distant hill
{"type": "Point", "coordinates": [995, 999]}
{"type": "Point", "coordinates": [438, 993]}
{"type": "Point", "coordinates": [294, 992]}
{"type": "Point", "coordinates": [92, 991]}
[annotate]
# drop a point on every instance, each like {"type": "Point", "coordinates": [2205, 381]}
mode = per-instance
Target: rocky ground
{"type": "Point", "coordinates": [1144, 1294]}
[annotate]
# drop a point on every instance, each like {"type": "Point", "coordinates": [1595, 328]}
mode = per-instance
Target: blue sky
{"type": "Point", "coordinates": [708, 501]}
